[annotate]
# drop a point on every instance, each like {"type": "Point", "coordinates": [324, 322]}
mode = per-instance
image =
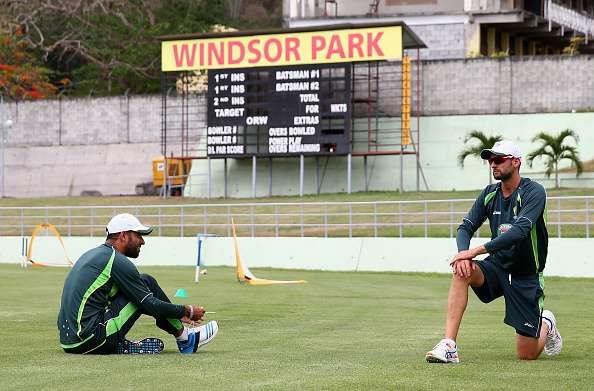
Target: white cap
{"type": "Point", "coordinates": [502, 148]}
{"type": "Point", "coordinates": [127, 222]}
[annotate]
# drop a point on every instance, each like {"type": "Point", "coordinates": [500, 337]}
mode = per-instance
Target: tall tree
{"type": "Point", "coordinates": [235, 7]}
{"type": "Point", "coordinates": [21, 78]}
{"type": "Point", "coordinates": [484, 142]}
{"type": "Point", "coordinates": [111, 46]}
{"type": "Point", "coordinates": [554, 149]}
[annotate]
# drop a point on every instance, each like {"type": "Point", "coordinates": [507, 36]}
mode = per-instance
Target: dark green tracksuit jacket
{"type": "Point", "coordinates": [519, 237]}
{"type": "Point", "coordinates": [97, 277]}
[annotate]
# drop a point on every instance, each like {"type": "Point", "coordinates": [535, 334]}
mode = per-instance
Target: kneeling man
{"type": "Point", "coordinates": [515, 207]}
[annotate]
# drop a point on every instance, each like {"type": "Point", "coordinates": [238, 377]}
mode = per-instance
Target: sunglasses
{"type": "Point", "coordinates": [499, 159]}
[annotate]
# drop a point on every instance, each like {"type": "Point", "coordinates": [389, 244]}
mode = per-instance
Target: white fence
{"type": "Point", "coordinates": [567, 217]}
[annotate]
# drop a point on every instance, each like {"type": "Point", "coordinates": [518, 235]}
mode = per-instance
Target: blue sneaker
{"type": "Point", "coordinates": [144, 346]}
{"type": "Point", "coordinates": [198, 336]}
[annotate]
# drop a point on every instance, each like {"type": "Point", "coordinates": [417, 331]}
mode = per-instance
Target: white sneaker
{"type": "Point", "coordinates": [554, 342]}
{"type": "Point", "coordinates": [198, 336]}
{"type": "Point", "coordinates": [444, 352]}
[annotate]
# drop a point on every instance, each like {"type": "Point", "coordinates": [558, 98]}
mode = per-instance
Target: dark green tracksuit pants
{"type": "Point", "coordinates": [128, 313]}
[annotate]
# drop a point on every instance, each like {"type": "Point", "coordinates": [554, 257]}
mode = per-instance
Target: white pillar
{"type": "Point", "coordinates": [301, 174]}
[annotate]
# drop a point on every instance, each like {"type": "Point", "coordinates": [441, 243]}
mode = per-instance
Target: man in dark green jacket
{"type": "Point", "coordinates": [104, 294]}
{"type": "Point", "coordinates": [515, 207]}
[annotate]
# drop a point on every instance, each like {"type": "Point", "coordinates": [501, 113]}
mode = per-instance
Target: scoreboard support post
{"type": "Point", "coordinates": [349, 172]}
{"type": "Point", "coordinates": [317, 175]}
{"type": "Point", "coordinates": [269, 177]}
{"type": "Point", "coordinates": [209, 183]}
{"type": "Point", "coordinates": [301, 174]}
{"type": "Point", "coordinates": [253, 176]}
{"type": "Point", "coordinates": [226, 179]}
{"type": "Point", "coordinates": [401, 169]}
{"type": "Point", "coordinates": [365, 173]}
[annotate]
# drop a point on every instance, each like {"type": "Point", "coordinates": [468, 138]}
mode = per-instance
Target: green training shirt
{"type": "Point", "coordinates": [93, 281]}
{"type": "Point", "coordinates": [519, 237]}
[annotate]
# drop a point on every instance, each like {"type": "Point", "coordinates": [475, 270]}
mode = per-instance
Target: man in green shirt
{"type": "Point", "coordinates": [104, 294]}
{"type": "Point", "coordinates": [515, 207]}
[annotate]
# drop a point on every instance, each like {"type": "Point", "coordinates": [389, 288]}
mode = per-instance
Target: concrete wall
{"type": "Point", "coordinates": [511, 85]}
{"type": "Point", "coordinates": [567, 257]}
{"type": "Point", "coordinates": [68, 170]}
{"type": "Point", "coordinates": [442, 139]}
{"type": "Point", "coordinates": [84, 121]}
{"type": "Point", "coordinates": [443, 41]}
{"type": "Point", "coordinates": [35, 171]}
{"type": "Point", "coordinates": [62, 147]}
{"type": "Point", "coordinates": [543, 84]}
{"type": "Point", "coordinates": [116, 168]}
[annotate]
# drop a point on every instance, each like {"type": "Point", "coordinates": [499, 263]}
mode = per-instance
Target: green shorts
{"type": "Point", "coordinates": [524, 296]}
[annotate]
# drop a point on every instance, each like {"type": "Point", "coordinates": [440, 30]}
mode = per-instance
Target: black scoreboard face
{"type": "Point", "coordinates": [292, 111]}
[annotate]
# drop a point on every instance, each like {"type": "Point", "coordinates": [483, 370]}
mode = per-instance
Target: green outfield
{"type": "Point", "coordinates": [339, 331]}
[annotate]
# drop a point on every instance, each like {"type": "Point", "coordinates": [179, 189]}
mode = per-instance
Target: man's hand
{"type": "Point", "coordinates": [462, 264]}
{"type": "Point", "coordinates": [462, 255]}
{"type": "Point", "coordinates": [463, 267]}
{"type": "Point", "coordinates": [468, 254]}
{"type": "Point", "coordinates": [193, 314]}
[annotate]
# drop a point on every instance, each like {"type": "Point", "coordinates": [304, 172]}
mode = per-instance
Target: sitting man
{"type": "Point", "coordinates": [104, 295]}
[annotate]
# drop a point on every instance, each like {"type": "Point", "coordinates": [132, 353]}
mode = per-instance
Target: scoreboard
{"type": "Point", "coordinates": [290, 111]}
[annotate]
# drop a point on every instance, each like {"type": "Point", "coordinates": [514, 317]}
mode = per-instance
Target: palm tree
{"type": "Point", "coordinates": [553, 150]}
{"type": "Point", "coordinates": [485, 142]}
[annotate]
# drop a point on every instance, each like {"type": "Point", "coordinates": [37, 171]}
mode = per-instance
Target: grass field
{"type": "Point", "coordinates": [339, 331]}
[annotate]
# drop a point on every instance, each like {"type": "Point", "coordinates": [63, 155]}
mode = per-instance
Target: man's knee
{"type": "Point", "coordinates": [528, 355]}
{"type": "Point", "coordinates": [476, 278]}
{"type": "Point", "coordinates": [460, 280]}
{"type": "Point", "coordinates": [527, 348]}
{"type": "Point", "coordinates": [154, 287]}
{"type": "Point", "coordinates": [148, 279]}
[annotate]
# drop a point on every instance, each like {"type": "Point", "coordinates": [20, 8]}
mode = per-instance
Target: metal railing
{"type": "Point", "coordinates": [567, 217]}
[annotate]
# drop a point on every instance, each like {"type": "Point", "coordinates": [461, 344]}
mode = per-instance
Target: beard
{"type": "Point", "coordinates": [132, 251]}
{"type": "Point", "coordinates": [500, 176]}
